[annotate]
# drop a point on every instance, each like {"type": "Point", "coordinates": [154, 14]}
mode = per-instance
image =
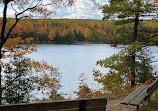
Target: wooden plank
{"type": "Point", "coordinates": [153, 86]}
{"type": "Point", "coordinates": [41, 106]}
{"type": "Point", "coordinates": [67, 105]}
{"type": "Point", "coordinates": [151, 89]}
{"type": "Point", "coordinates": [96, 102]}
{"type": "Point", "coordinates": [139, 98]}
{"type": "Point", "coordinates": [99, 108]}
{"type": "Point", "coordinates": [73, 109]}
{"type": "Point", "coordinates": [133, 95]}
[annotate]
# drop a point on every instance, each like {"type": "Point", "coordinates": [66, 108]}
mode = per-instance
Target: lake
{"type": "Point", "coordinates": [73, 60]}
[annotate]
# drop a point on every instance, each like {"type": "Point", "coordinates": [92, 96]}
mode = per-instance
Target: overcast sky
{"type": "Point", "coordinates": [82, 9]}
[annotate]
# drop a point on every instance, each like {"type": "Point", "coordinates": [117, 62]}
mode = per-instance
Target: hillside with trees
{"type": "Point", "coordinates": [83, 30]}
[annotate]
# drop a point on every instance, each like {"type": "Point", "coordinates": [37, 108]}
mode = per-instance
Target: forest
{"type": "Point", "coordinates": [68, 31]}
{"type": "Point", "coordinates": [128, 69]}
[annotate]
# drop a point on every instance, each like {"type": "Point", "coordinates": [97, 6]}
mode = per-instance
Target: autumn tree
{"type": "Point", "coordinates": [87, 33]}
{"type": "Point", "coordinates": [84, 90]}
{"type": "Point", "coordinates": [19, 69]}
{"type": "Point", "coordinates": [48, 85]}
{"type": "Point", "coordinates": [23, 9]}
{"type": "Point", "coordinates": [125, 9]}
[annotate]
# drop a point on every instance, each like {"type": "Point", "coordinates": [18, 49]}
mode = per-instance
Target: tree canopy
{"type": "Point", "coordinates": [126, 8]}
{"type": "Point", "coordinates": [129, 9]}
{"type": "Point", "coordinates": [23, 9]}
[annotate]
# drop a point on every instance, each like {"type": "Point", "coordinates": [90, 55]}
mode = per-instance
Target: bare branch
{"type": "Point", "coordinates": [14, 9]}
{"type": "Point", "coordinates": [17, 20]}
{"type": "Point", "coordinates": [29, 8]}
{"type": "Point", "coordinates": [32, 3]}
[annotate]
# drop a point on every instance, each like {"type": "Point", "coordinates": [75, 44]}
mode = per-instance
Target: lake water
{"type": "Point", "coordinates": [73, 60]}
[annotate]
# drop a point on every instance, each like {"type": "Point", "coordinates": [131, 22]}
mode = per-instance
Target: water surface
{"type": "Point", "coordinates": [72, 60]}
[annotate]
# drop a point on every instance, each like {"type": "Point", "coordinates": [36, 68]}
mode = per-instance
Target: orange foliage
{"type": "Point", "coordinates": [52, 33]}
{"type": "Point", "coordinates": [112, 82]}
{"type": "Point", "coordinates": [87, 32]}
{"type": "Point", "coordinates": [43, 29]}
{"type": "Point", "coordinates": [91, 24]}
{"type": "Point", "coordinates": [15, 30]}
{"type": "Point", "coordinates": [16, 47]}
{"type": "Point", "coordinates": [79, 29]}
{"type": "Point", "coordinates": [50, 36]}
{"type": "Point", "coordinates": [62, 32]}
{"type": "Point", "coordinates": [40, 66]}
{"type": "Point", "coordinates": [84, 92]}
{"type": "Point", "coordinates": [28, 27]}
{"type": "Point", "coordinates": [156, 1]}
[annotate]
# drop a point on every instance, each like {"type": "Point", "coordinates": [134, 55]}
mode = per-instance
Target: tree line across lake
{"type": "Point", "coordinates": [77, 30]}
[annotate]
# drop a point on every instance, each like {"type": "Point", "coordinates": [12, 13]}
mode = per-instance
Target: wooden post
{"type": "Point", "coordinates": [138, 108]}
{"type": "Point", "coordinates": [82, 105]}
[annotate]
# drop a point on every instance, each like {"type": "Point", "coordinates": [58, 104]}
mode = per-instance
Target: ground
{"type": "Point", "coordinates": [114, 105]}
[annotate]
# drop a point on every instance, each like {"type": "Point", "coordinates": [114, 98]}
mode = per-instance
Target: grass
{"type": "Point", "coordinates": [151, 105]}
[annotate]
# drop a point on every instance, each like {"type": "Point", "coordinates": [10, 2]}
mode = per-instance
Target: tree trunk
{"type": "Point", "coordinates": [133, 68]}
{"type": "Point", "coordinates": [136, 28]}
{"type": "Point", "coordinates": [1, 45]}
{"type": "Point", "coordinates": [0, 77]}
{"type": "Point", "coordinates": [133, 71]}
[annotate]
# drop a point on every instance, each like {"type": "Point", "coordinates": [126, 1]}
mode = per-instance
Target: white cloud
{"type": "Point", "coordinates": [10, 12]}
{"type": "Point", "coordinates": [82, 9]}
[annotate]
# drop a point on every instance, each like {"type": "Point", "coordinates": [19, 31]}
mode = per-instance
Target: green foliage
{"type": "Point", "coordinates": [121, 64]}
{"type": "Point", "coordinates": [18, 81]}
{"type": "Point", "coordinates": [49, 84]}
{"type": "Point", "coordinates": [22, 76]}
{"type": "Point", "coordinates": [122, 22]}
{"type": "Point", "coordinates": [124, 32]}
{"type": "Point", "coordinates": [114, 85]}
{"type": "Point", "coordinates": [144, 68]}
{"type": "Point", "coordinates": [126, 8]}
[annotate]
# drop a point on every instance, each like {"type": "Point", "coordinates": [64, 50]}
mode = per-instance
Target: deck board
{"type": "Point", "coordinates": [133, 95]}
{"type": "Point", "coordinates": [139, 98]}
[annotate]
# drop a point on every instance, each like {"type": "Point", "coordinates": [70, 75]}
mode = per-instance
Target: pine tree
{"type": "Point", "coordinates": [125, 9]}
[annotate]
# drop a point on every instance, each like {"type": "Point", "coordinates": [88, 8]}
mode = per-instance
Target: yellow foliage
{"type": "Point", "coordinates": [91, 24]}
{"type": "Point", "coordinates": [27, 24]}
{"type": "Point", "coordinates": [16, 46]}
{"type": "Point", "coordinates": [62, 32]}
{"type": "Point", "coordinates": [43, 29]}
{"type": "Point", "coordinates": [87, 32]}
{"type": "Point", "coordinates": [79, 29]}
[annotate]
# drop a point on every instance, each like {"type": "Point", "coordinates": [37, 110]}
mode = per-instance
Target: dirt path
{"type": "Point", "coordinates": [114, 105]}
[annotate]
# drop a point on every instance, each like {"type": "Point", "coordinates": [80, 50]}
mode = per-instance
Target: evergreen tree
{"type": "Point", "coordinates": [144, 67]}
{"type": "Point", "coordinates": [57, 38]}
{"type": "Point", "coordinates": [70, 37]}
{"type": "Point", "coordinates": [125, 9]}
{"type": "Point", "coordinates": [18, 82]}
{"type": "Point", "coordinates": [121, 65]}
